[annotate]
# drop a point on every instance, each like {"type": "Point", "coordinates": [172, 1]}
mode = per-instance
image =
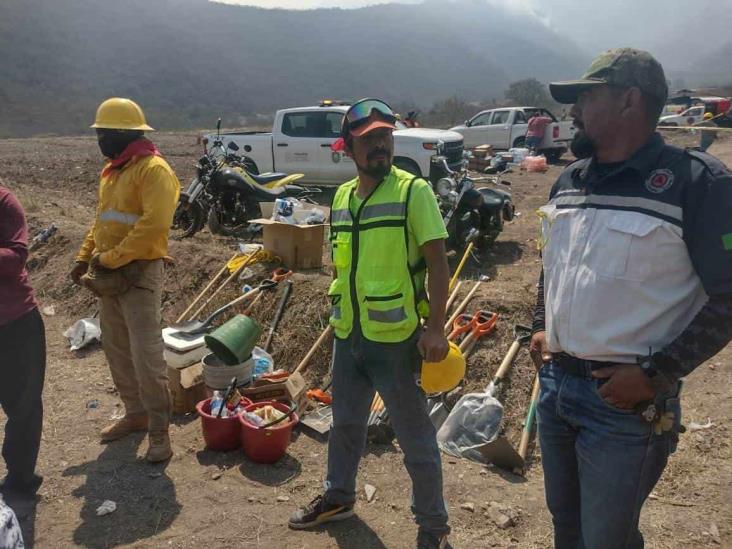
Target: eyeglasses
{"type": "Point", "coordinates": [360, 112]}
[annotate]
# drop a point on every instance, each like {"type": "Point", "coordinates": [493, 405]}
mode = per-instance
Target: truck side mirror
{"type": "Point", "coordinates": [467, 123]}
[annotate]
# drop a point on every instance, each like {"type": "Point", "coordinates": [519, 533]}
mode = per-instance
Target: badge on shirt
{"type": "Point", "coordinates": [659, 180]}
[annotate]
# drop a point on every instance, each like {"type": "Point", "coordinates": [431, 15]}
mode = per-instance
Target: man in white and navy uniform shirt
{"type": "Point", "coordinates": [636, 292]}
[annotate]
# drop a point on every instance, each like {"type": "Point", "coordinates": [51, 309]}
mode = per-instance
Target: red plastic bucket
{"type": "Point", "coordinates": [269, 444]}
{"type": "Point", "coordinates": [220, 433]}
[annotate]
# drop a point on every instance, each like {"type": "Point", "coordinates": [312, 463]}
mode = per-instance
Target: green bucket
{"type": "Point", "coordinates": [233, 341]}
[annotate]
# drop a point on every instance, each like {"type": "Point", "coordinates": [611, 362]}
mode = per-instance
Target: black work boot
{"type": "Point", "coordinates": [428, 540]}
{"type": "Point", "coordinates": [318, 511]}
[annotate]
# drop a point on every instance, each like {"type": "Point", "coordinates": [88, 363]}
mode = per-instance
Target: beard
{"type": "Point", "coordinates": [377, 169]}
{"type": "Point", "coordinates": [581, 145]}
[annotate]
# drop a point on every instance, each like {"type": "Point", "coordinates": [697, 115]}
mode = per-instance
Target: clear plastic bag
{"type": "Point", "coordinates": [83, 332]}
{"type": "Point", "coordinates": [473, 422]}
{"type": "Point", "coordinates": [263, 362]}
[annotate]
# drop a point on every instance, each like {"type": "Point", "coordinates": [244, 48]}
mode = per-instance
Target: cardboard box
{"type": "Point", "coordinates": [478, 164]}
{"type": "Point", "coordinates": [186, 388]}
{"type": "Point", "coordinates": [294, 388]}
{"type": "Point", "coordinates": [483, 151]}
{"type": "Point", "coordinates": [299, 246]}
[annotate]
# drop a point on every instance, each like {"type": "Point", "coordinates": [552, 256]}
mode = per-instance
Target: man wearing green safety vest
{"type": "Point", "coordinates": [386, 236]}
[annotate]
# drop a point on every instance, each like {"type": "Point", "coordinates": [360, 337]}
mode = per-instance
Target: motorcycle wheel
{"type": "Point", "coordinates": [217, 225]}
{"type": "Point", "coordinates": [187, 220]}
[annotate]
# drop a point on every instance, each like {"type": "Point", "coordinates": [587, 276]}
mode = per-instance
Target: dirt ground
{"type": "Point", "coordinates": [207, 499]}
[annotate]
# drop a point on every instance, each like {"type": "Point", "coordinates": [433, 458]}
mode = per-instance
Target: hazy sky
{"type": "Point", "coordinates": [675, 30]}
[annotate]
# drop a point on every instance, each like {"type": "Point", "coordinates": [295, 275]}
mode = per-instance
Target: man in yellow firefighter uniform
{"type": "Point", "coordinates": [121, 261]}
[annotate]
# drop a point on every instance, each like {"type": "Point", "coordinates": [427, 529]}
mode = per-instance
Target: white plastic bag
{"type": "Point", "coordinates": [83, 332]}
{"type": "Point", "coordinates": [473, 422]}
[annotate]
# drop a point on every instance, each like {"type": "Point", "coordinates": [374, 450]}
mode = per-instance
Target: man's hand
{"type": "Point", "coordinates": [626, 385]}
{"type": "Point", "coordinates": [539, 350]}
{"type": "Point", "coordinates": [78, 271]}
{"type": "Point", "coordinates": [433, 344]}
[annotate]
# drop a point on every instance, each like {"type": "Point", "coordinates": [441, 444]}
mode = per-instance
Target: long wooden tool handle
{"type": "Point", "coordinates": [248, 310]}
{"type": "Point", "coordinates": [206, 289]}
{"type": "Point", "coordinates": [467, 344]}
{"type": "Point", "coordinates": [529, 422]}
{"type": "Point", "coordinates": [460, 266]}
{"type": "Point", "coordinates": [225, 283]}
{"type": "Point", "coordinates": [453, 295]}
{"type": "Point", "coordinates": [507, 361]}
{"type": "Point", "coordinates": [461, 307]}
{"type": "Point", "coordinates": [304, 362]}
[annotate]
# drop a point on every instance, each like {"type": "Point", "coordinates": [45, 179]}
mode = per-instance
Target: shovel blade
{"type": "Point", "coordinates": [500, 453]}
{"type": "Point", "coordinates": [191, 327]}
{"type": "Point", "coordinates": [319, 420]}
{"type": "Point", "coordinates": [437, 411]}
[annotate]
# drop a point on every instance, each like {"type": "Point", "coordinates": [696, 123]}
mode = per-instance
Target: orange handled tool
{"type": "Point", "coordinates": [320, 396]}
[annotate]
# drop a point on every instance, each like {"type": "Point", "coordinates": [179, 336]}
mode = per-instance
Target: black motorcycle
{"type": "Point", "coordinates": [226, 194]}
{"type": "Point", "coordinates": [470, 214]}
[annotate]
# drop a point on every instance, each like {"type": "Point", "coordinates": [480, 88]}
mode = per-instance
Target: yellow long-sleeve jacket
{"type": "Point", "coordinates": [134, 215]}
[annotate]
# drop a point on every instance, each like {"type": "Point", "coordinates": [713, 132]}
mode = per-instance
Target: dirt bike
{"type": "Point", "coordinates": [470, 214]}
{"type": "Point", "coordinates": [226, 195]}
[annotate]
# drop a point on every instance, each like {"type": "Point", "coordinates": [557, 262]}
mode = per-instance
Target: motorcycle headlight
{"type": "Point", "coordinates": [444, 186]}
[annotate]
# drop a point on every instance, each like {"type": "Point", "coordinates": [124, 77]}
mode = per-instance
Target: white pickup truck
{"type": "Point", "coordinates": [506, 128]}
{"type": "Point", "coordinates": [689, 117]}
{"type": "Point", "coordinates": [301, 139]}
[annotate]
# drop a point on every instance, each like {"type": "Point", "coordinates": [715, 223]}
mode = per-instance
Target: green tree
{"type": "Point", "coordinates": [529, 92]}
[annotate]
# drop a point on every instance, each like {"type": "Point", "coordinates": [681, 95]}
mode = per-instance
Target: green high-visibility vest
{"type": "Point", "coordinates": [374, 281]}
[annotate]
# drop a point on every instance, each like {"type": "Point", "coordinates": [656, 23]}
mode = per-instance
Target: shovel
{"type": "Point", "coordinates": [471, 429]}
{"type": "Point", "coordinates": [500, 452]}
{"type": "Point", "coordinates": [193, 327]}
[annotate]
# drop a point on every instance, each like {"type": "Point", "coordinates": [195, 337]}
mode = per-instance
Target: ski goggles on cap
{"type": "Point", "coordinates": [360, 117]}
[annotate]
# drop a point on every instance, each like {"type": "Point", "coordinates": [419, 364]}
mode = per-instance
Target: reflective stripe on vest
{"type": "Point", "coordinates": [119, 217]}
{"type": "Point", "coordinates": [375, 285]}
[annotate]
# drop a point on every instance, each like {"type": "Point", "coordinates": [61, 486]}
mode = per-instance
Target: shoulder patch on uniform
{"type": "Point", "coordinates": [715, 166]}
{"type": "Point", "coordinates": [659, 180]}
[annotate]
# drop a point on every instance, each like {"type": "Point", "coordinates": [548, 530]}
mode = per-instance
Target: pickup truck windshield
{"type": "Point", "coordinates": [312, 124]}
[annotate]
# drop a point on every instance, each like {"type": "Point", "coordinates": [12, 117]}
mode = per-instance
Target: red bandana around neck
{"type": "Point", "coordinates": [138, 148]}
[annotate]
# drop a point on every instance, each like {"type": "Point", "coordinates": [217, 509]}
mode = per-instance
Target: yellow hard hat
{"type": "Point", "coordinates": [708, 116]}
{"type": "Point", "coordinates": [439, 377]}
{"type": "Point", "coordinates": [118, 113]}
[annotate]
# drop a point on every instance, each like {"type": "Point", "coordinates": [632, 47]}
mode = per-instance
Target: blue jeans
{"type": "Point", "coordinates": [600, 463]}
{"type": "Point", "coordinates": [359, 368]}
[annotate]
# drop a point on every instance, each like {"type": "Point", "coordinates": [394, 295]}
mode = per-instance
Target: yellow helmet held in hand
{"type": "Point", "coordinates": [443, 376]}
{"type": "Point", "coordinates": [118, 113]}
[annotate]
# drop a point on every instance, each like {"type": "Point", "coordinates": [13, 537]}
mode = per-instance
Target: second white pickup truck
{"type": "Point", "coordinates": [301, 138]}
{"type": "Point", "coordinates": [506, 128]}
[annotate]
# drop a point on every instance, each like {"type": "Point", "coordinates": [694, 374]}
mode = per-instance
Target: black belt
{"type": "Point", "coordinates": [579, 366]}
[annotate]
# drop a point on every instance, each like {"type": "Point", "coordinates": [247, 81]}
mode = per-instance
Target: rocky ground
{"type": "Point", "coordinates": [202, 498]}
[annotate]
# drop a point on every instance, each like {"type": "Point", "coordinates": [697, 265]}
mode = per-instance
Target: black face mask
{"type": "Point", "coordinates": [113, 142]}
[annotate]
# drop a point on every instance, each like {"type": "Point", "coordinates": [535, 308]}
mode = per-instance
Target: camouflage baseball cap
{"type": "Point", "coordinates": [624, 67]}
